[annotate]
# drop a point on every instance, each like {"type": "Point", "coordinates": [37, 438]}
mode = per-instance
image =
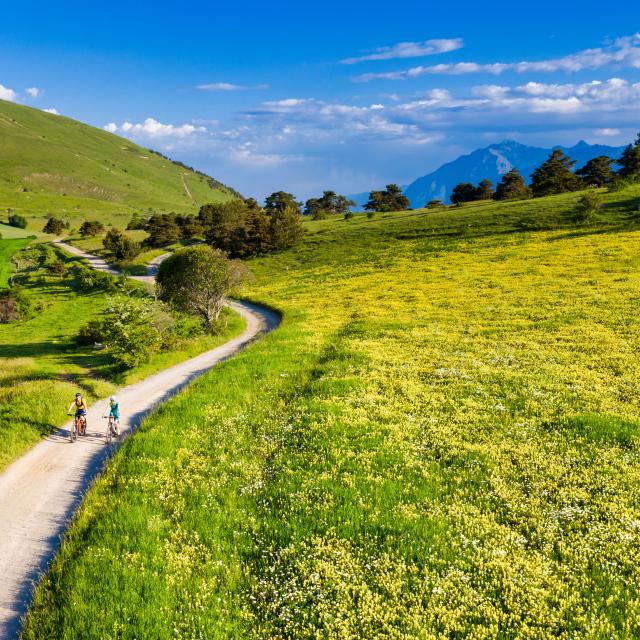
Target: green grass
{"type": "Point", "coordinates": [8, 248]}
{"type": "Point", "coordinates": [7, 232]}
{"type": "Point", "coordinates": [439, 442]}
{"type": "Point", "coordinates": [41, 367]}
{"type": "Point", "coordinates": [54, 165]}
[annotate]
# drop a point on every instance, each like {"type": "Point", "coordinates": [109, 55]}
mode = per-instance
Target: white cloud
{"type": "Point", "coordinates": [34, 92]}
{"type": "Point", "coordinates": [152, 129]}
{"type": "Point", "coordinates": [55, 112]}
{"type": "Point", "coordinates": [608, 133]}
{"type": "Point", "coordinates": [624, 52]}
{"type": "Point", "coordinates": [228, 86]}
{"type": "Point", "coordinates": [410, 50]}
{"type": "Point", "coordinates": [7, 94]}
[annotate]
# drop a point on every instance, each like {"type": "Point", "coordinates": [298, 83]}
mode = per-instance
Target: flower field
{"type": "Point", "coordinates": [441, 441]}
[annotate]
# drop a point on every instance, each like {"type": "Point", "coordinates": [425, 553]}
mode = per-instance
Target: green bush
{"type": "Point", "coordinates": [588, 205]}
{"type": "Point", "coordinates": [17, 221]}
{"type": "Point", "coordinates": [90, 334]}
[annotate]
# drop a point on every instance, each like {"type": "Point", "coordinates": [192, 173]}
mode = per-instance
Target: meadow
{"type": "Point", "coordinates": [42, 367]}
{"type": "Point", "coordinates": [52, 165]}
{"type": "Point", "coordinates": [440, 441]}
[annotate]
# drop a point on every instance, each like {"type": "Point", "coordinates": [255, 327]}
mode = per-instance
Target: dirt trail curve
{"type": "Point", "coordinates": [40, 492]}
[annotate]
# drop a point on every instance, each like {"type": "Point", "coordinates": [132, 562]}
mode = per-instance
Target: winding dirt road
{"type": "Point", "coordinates": [40, 492]}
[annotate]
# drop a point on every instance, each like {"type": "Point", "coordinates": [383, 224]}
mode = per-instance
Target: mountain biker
{"type": "Point", "coordinates": [113, 407]}
{"type": "Point", "coordinates": [80, 406]}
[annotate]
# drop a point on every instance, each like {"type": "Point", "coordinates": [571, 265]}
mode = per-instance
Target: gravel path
{"type": "Point", "coordinates": [40, 492]}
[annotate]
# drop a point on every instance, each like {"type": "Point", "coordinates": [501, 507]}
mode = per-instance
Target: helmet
{"type": "Point", "coordinates": [112, 399]}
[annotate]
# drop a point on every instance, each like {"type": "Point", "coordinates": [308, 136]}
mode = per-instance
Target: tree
{"type": "Point", "coordinates": [463, 192]}
{"type": "Point", "coordinates": [57, 268]}
{"type": "Point", "coordinates": [197, 279]}
{"type": "Point", "coordinates": [123, 248]}
{"type": "Point", "coordinates": [390, 199]}
{"type": "Point", "coordinates": [588, 205]}
{"type": "Point", "coordinates": [189, 226]}
{"type": "Point", "coordinates": [312, 207]}
{"type": "Point", "coordinates": [162, 229]}
{"type": "Point", "coordinates": [329, 203]}
{"type": "Point", "coordinates": [280, 200]}
{"type": "Point", "coordinates": [555, 175]}
{"type": "Point", "coordinates": [136, 223]}
{"type": "Point", "coordinates": [512, 187]}
{"type": "Point", "coordinates": [20, 222]}
{"type": "Point", "coordinates": [597, 172]}
{"type": "Point", "coordinates": [286, 228]}
{"type": "Point", "coordinates": [484, 190]}
{"type": "Point", "coordinates": [54, 226]}
{"type": "Point", "coordinates": [91, 228]}
{"type": "Point", "coordinates": [630, 161]}
{"type": "Point", "coordinates": [435, 204]}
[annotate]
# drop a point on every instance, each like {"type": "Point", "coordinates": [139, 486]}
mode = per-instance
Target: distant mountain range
{"type": "Point", "coordinates": [491, 162]}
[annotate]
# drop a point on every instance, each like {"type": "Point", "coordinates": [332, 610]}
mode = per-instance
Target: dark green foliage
{"type": "Point", "coordinates": [243, 229]}
{"type": "Point", "coordinates": [281, 200]}
{"type": "Point", "coordinates": [512, 187]}
{"type": "Point", "coordinates": [597, 172]}
{"type": "Point", "coordinates": [588, 205]}
{"type": "Point", "coordinates": [555, 175]}
{"type": "Point", "coordinates": [349, 215]}
{"type": "Point", "coordinates": [163, 230]}
{"type": "Point", "coordinates": [120, 246]}
{"type": "Point", "coordinates": [630, 161]}
{"type": "Point", "coordinates": [329, 203]}
{"type": "Point", "coordinates": [20, 222]}
{"type": "Point", "coordinates": [136, 223]}
{"type": "Point", "coordinates": [484, 190]}
{"type": "Point", "coordinates": [57, 268]}
{"type": "Point", "coordinates": [463, 192]}
{"type": "Point", "coordinates": [90, 334]}
{"type": "Point", "coordinates": [197, 279]}
{"type": "Point", "coordinates": [54, 226]}
{"type": "Point", "coordinates": [91, 228]}
{"type": "Point", "coordinates": [189, 226]}
{"type": "Point", "coordinates": [435, 204]}
{"type": "Point", "coordinates": [390, 199]}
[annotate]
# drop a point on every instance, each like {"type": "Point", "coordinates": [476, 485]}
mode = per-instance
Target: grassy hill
{"type": "Point", "coordinates": [54, 165]}
{"type": "Point", "coordinates": [441, 441]}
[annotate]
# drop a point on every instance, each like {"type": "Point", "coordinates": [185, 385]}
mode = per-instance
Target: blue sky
{"type": "Point", "coordinates": [341, 95]}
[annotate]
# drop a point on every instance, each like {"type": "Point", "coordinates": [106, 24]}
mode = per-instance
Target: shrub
{"type": "Point", "coordinates": [91, 228]}
{"type": "Point", "coordinates": [371, 215]}
{"type": "Point", "coordinates": [90, 334]}
{"type": "Point", "coordinates": [588, 205]}
{"type": "Point", "coordinates": [120, 246]}
{"type": "Point", "coordinates": [348, 215]}
{"type": "Point", "coordinates": [15, 304]}
{"type": "Point", "coordinates": [20, 222]}
{"type": "Point", "coordinates": [435, 204]}
{"type": "Point", "coordinates": [54, 226]}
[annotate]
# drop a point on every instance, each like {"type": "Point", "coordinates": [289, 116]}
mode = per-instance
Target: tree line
{"type": "Point", "coordinates": [556, 175]}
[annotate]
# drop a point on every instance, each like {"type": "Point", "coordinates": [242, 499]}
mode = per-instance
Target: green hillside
{"type": "Point", "coordinates": [440, 441]}
{"type": "Point", "coordinates": [50, 164]}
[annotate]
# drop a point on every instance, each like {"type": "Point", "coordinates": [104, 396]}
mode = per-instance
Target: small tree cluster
{"type": "Point", "coordinates": [54, 226]}
{"type": "Point", "coordinates": [242, 228]}
{"type": "Point", "coordinates": [122, 247]}
{"type": "Point", "coordinates": [555, 175]}
{"type": "Point", "coordinates": [330, 203]}
{"type": "Point", "coordinates": [15, 220]}
{"type": "Point", "coordinates": [91, 228]}
{"type": "Point", "coordinates": [167, 228]}
{"type": "Point", "coordinates": [512, 187]}
{"type": "Point", "coordinates": [389, 199]}
{"type": "Point", "coordinates": [466, 192]}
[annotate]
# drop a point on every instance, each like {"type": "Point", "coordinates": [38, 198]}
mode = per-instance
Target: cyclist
{"type": "Point", "coordinates": [80, 407]}
{"type": "Point", "coordinates": [113, 409]}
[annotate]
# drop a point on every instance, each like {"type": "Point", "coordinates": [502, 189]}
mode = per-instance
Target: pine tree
{"type": "Point", "coordinates": [597, 172]}
{"type": "Point", "coordinates": [555, 175]}
{"type": "Point", "coordinates": [484, 190]}
{"type": "Point", "coordinates": [630, 161]}
{"type": "Point", "coordinates": [512, 187]}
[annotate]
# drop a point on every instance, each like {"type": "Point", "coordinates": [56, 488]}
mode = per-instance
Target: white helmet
{"type": "Point", "coordinates": [112, 399]}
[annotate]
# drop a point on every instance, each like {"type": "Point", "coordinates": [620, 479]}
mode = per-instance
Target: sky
{"type": "Point", "coordinates": [341, 95]}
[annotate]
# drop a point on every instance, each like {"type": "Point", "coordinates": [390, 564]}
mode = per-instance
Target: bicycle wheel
{"type": "Point", "coordinates": [109, 432]}
{"type": "Point", "coordinates": [72, 432]}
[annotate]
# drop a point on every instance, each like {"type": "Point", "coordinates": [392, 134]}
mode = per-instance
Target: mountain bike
{"type": "Point", "coordinates": [112, 430]}
{"type": "Point", "coordinates": [79, 426]}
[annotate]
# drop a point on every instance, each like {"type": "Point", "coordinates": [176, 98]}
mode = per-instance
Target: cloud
{"type": "Point", "coordinates": [34, 92]}
{"type": "Point", "coordinates": [624, 52]}
{"type": "Point", "coordinates": [53, 111]}
{"type": "Point", "coordinates": [7, 94]}
{"type": "Point", "coordinates": [409, 50]}
{"type": "Point", "coordinates": [227, 86]}
{"type": "Point", "coordinates": [152, 129]}
{"type": "Point", "coordinates": [608, 133]}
